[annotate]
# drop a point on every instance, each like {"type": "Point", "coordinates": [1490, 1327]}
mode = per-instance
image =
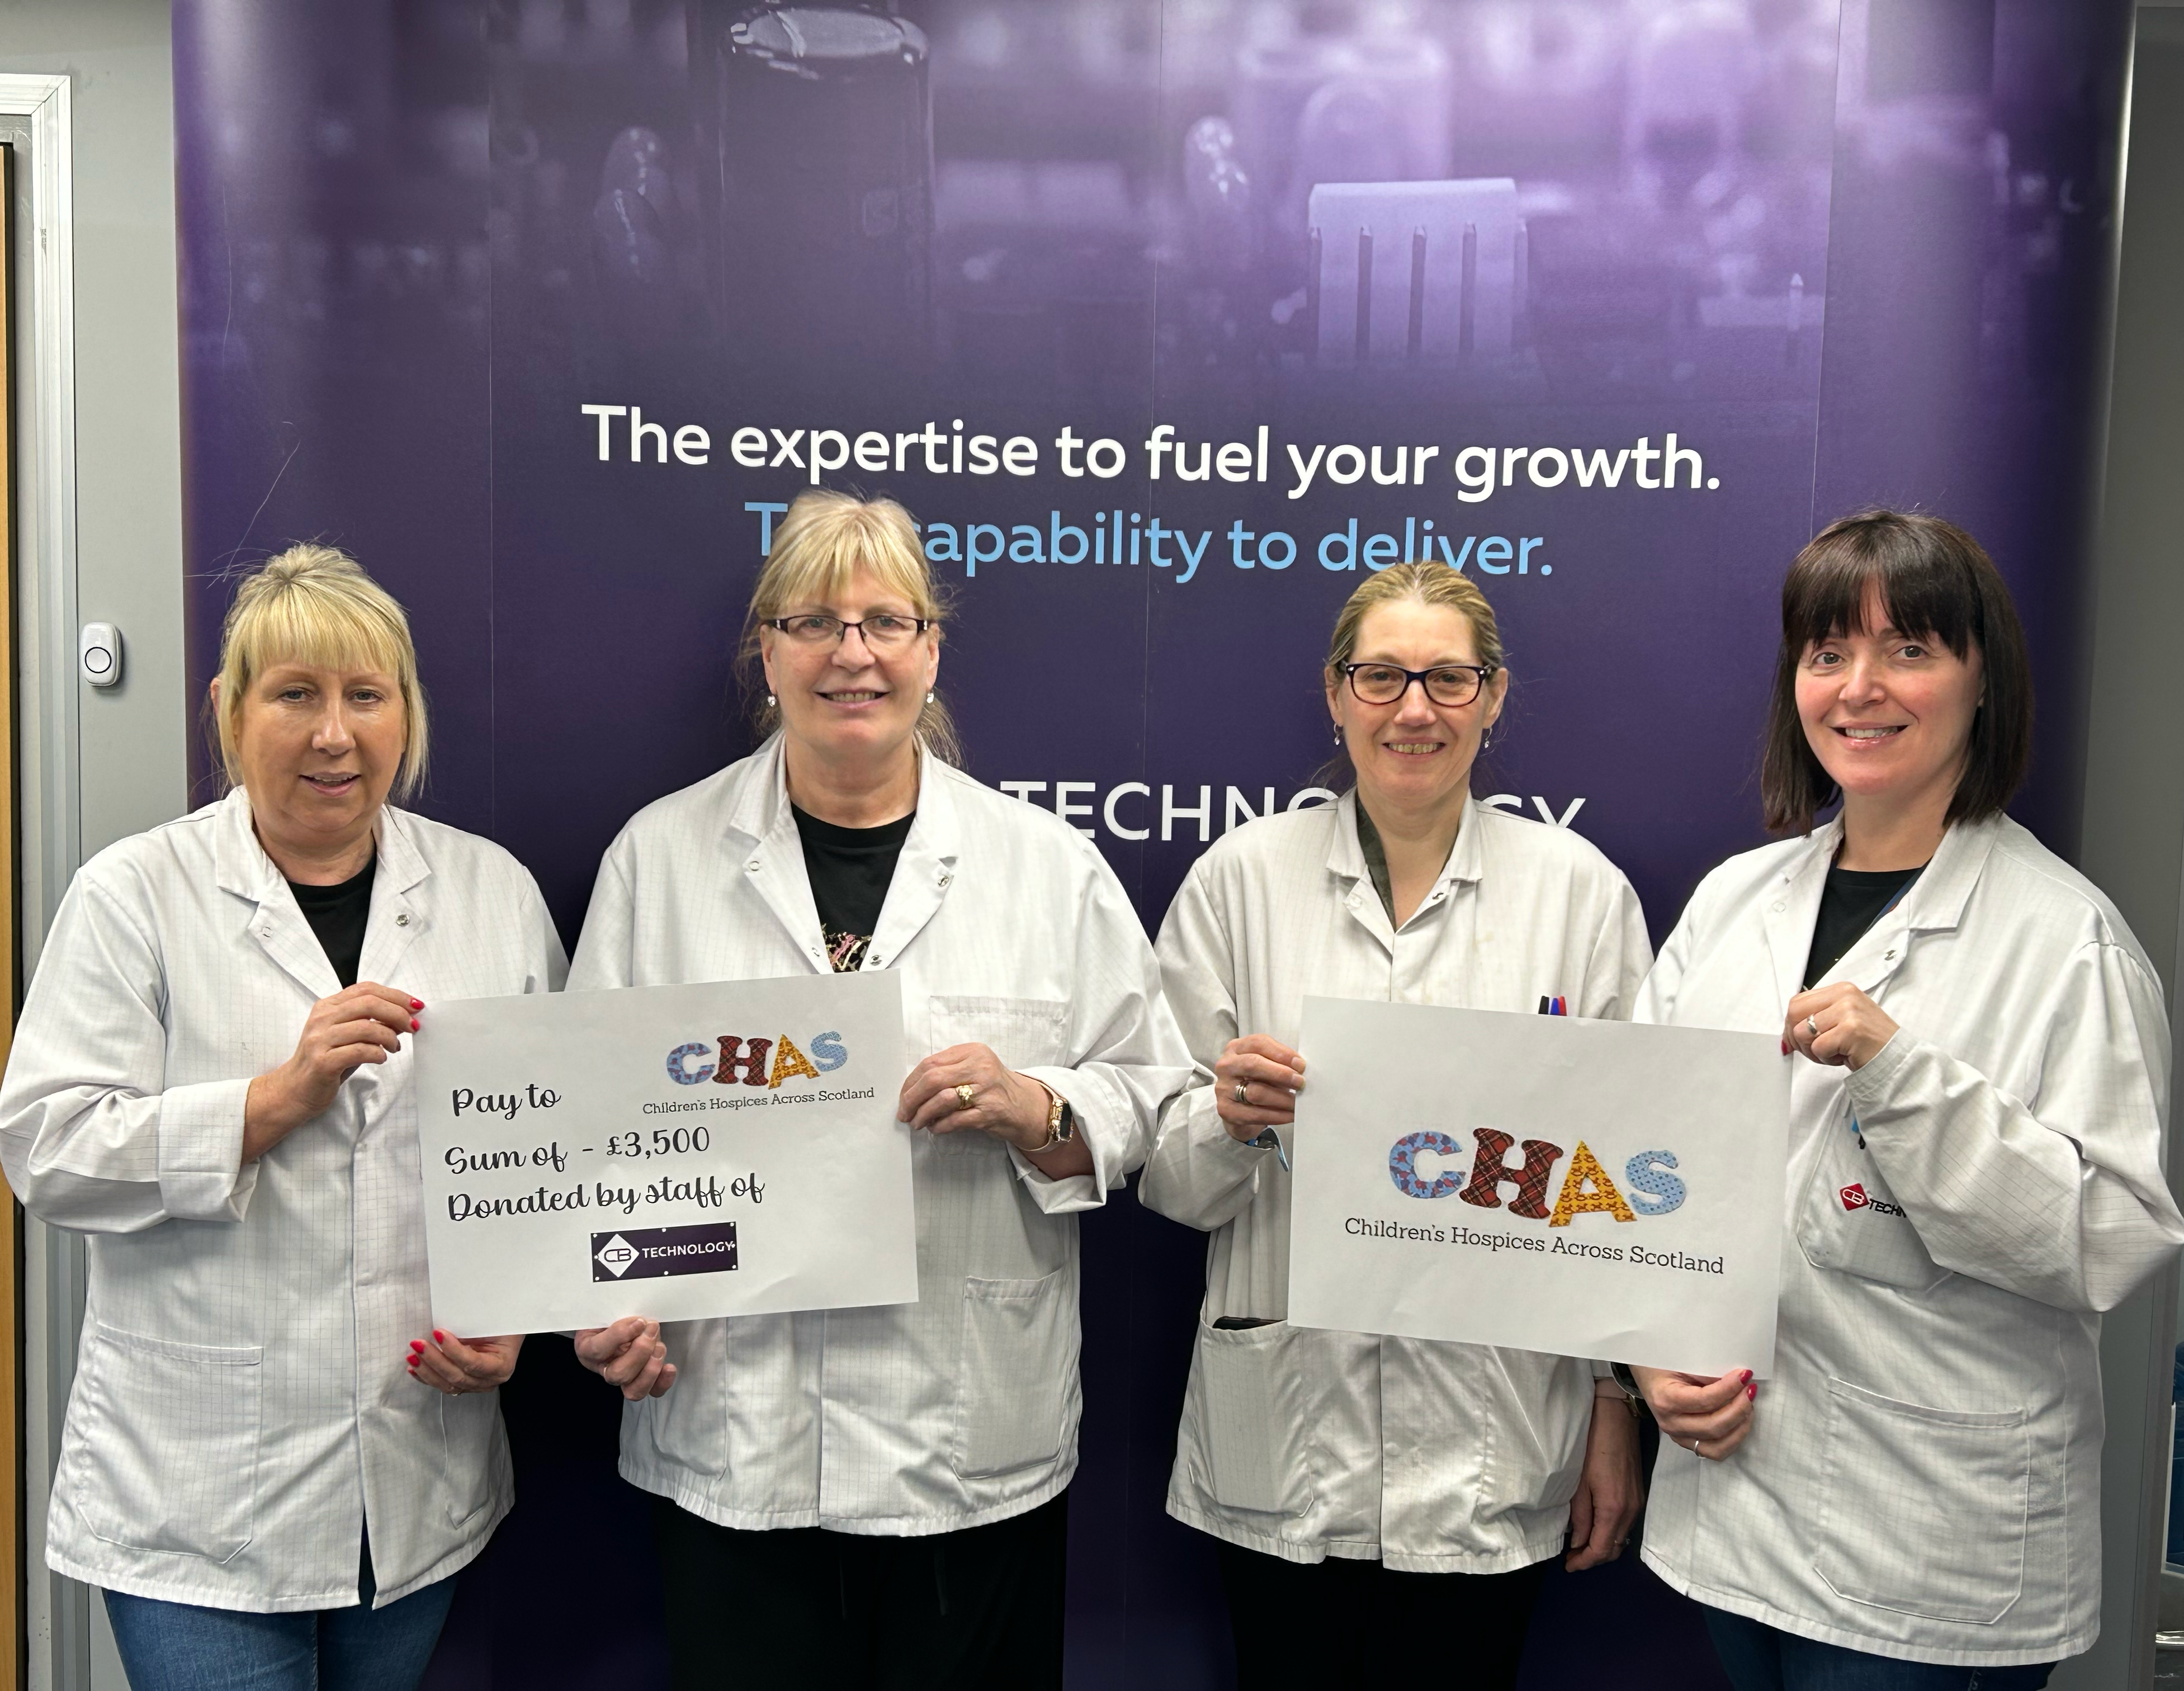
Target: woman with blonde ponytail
{"type": "Point", "coordinates": [868, 1496]}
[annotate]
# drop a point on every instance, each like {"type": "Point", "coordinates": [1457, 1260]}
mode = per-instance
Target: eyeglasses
{"type": "Point", "coordinates": [1447, 683]}
{"type": "Point", "coordinates": [883, 631]}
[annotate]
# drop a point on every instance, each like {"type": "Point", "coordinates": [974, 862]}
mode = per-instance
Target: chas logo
{"type": "Point", "coordinates": [755, 1061]}
{"type": "Point", "coordinates": [1586, 1186]}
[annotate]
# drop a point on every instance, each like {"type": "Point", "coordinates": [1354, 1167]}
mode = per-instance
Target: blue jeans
{"type": "Point", "coordinates": [1758, 1657]}
{"type": "Point", "coordinates": [181, 1647]}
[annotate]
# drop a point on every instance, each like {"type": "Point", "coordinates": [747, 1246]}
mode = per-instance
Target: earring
{"type": "Point", "coordinates": [771, 701]}
{"type": "Point", "coordinates": [928, 697]}
{"type": "Point", "coordinates": [1337, 734]}
{"type": "Point", "coordinates": [1486, 741]}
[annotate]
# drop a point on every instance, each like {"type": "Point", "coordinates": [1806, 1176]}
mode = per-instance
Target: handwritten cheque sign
{"type": "Point", "coordinates": [1587, 1188]}
{"type": "Point", "coordinates": [678, 1151]}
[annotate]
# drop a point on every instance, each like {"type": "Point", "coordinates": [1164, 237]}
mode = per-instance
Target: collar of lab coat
{"type": "Point", "coordinates": [1345, 857]}
{"type": "Point", "coordinates": [761, 829]}
{"type": "Point", "coordinates": [277, 923]}
{"type": "Point", "coordinates": [1935, 904]}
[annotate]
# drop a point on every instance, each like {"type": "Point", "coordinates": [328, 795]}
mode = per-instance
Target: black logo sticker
{"type": "Point", "coordinates": [649, 1252]}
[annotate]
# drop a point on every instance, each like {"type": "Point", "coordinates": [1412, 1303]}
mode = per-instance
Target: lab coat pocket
{"type": "Point", "coordinates": [1924, 1511]}
{"type": "Point", "coordinates": [1024, 1033]}
{"type": "Point", "coordinates": [1246, 1426]}
{"type": "Point", "coordinates": [467, 1425]}
{"type": "Point", "coordinates": [1015, 1375]}
{"type": "Point", "coordinates": [166, 1442]}
{"type": "Point", "coordinates": [1849, 1220]}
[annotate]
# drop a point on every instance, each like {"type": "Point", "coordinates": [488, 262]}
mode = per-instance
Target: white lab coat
{"type": "Point", "coordinates": [1007, 929]}
{"type": "Point", "coordinates": [1303, 1442]}
{"type": "Point", "coordinates": [240, 1404]}
{"type": "Point", "coordinates": [1923, 1476]}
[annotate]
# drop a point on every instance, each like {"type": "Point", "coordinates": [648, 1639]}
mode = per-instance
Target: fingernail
{"type": "Point", "coordinates": [417, 1346]}
{"type": "Point", "coordinates": [1785, 1047]}
{"type": "Point", "coordinates": [441, 1338]}
{"type": "Point", "coordinates": [1753, 1392]}
{"type": "Point", "coordinates": [417, 1003]}
{"type": "Point", "coordinates": [414, 1024]}
{"type": "Point", "coordinates": [1747, 1372]}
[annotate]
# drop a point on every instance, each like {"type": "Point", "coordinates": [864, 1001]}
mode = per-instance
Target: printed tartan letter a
{"type": "Point", "coordinates": [1488, 1172]}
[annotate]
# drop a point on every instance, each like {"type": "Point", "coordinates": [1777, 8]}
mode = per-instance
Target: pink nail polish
{"type": "Point", "coordinates": [414, 1024]}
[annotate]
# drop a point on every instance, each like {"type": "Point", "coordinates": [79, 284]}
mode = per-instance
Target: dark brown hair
{"type": "Point", "coordinates": [1935, 582]}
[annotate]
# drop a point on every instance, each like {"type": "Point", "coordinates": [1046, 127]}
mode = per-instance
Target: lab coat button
{"type": "Point", "coordinates": [1779, 907]}
{"type": "Point", "coordinates": [1889, 957]}
{"type": "Point", "coordinates": [265, 933]}
{"type": "Point", "coordinates": [752, 865]}
{"type": "Point", "coordinates": [875, 959]}
{"type": "Point", "coordinates": [402, 920]}
{"type": "Point", "coordinates": [944, 880]}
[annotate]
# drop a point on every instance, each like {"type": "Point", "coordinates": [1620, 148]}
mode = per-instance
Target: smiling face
{"type": "Point", "coordinates": [320, 747]}
{"type": "Point", "coordinates": [850, 703]}
{"type": "Point", "coordinates": [1889, 714]}
{"type": "Point", "coordinates": [1414, 755]}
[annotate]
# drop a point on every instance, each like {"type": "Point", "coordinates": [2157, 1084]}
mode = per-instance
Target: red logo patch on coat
{"type": "Point", "coordinates": [1854, 1197]}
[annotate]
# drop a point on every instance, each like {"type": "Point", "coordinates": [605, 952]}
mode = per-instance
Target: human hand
{"type": "Point", "coordinates": [1610, 1490]}
{"type": "Point", "coordinates": [1708, 1418]}
{"type": "Point", "coordinates": [631, 1356]}
{"type": "Point", "coordinates": [1836, 1024]}
{"type": "Point", "coordinates": [1270, 1075]}
{"type": "Point", "coordinates": [1012, 1107]}
{"type": "Point", "coordinates": [358, 1025]}
{"type": "Point", "coordinates": [456, 1366]}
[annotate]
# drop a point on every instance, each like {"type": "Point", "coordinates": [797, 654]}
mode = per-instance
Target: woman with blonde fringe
{"type": "Point", "coordinates": [875, 1497]}
{"type": "Point", "coordinates": [273, 1463]}
{"type": "Point", "coordinates": [1349, 1475]}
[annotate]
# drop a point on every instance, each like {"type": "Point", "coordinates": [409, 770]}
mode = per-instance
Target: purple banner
{"type": "Point", "coordinates": [1168, 320]}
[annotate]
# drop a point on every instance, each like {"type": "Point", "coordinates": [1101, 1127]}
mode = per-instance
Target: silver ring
{"type": "Point", "coordinates": [1238, 1094]}
{"type": "Point", "coordinates": [1812, 1027]}
{"type": "Point", "coordinates": [964, 1094]}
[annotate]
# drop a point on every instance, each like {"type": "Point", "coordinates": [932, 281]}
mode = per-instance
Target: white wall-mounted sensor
{"type": "Point", "coordinates": [99, 652]}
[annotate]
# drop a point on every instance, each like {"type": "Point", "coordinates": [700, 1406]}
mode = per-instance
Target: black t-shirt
{"type": "Point", "coordinates": [1852, 901]}
{"type": "Point", "coordinates": [850, 869]}
{"type": "Point", "coordinates": [337, 915]}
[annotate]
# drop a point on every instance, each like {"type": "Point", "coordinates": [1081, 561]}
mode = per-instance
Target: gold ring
{"type": "Point", "coordinates": [1240, 1087]}
{"type": "Point", "coordinates": [964, 1094]}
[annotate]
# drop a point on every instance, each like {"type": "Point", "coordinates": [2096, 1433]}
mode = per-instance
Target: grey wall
{"type": "Point", "coordinates": [118, 56]}
{"type": "Point", "coordinates": [2134, 804]}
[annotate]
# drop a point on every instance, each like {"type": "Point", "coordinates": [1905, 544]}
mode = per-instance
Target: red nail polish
{"type": "Point", "coordinates": [1753, 1392]}
{"type": "Point", "coordinates": [439, 1337]}
{"type": "Point", "coordinates": [1747, 1372]}
{"type": "Point", "coordinates": [417, 1346]}
{"type": "Point", "coordinates": [1785, 1047]}
{"type": "Point", "coordinates": [417, 1003]}
{"type": "Point", "coordinates": [413, 1024]}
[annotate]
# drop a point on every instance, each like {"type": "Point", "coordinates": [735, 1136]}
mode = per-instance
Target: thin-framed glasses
{"type": "Point", "coordinates": [883, 631]}
{"type": "Point", "coordinates": [1446, 684]}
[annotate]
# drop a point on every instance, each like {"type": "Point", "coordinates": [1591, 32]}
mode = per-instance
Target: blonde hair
{"type": "Point", "coordinates": [818, 547]}
{"type": "Point", "coordinates": [1420, 583]}
{"type": "Point", "coordinates": [314, 604]}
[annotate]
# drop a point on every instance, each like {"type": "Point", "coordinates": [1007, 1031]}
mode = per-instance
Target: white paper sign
{"type": "Point", "coordinates": [1585, 1188]}
{"type": "Point", "coordinates": [677, 1152]}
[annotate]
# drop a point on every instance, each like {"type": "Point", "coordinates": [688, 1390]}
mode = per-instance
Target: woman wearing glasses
{"type": "Point", "coordinates": [1346, 1476]}
{"type": "Point", "coordinates": [860, 1497]}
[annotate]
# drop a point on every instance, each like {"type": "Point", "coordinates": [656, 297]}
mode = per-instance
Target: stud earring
{"type": "Point", "coordinates": [928, 698]}
{"type": "Point", "coordinates": [771, 701]}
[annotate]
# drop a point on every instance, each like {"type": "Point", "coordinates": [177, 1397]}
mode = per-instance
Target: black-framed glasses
{"type": "Point", "coordinates": [1445, 684]}
{"type": "Point", "coordinates": [883, 630]}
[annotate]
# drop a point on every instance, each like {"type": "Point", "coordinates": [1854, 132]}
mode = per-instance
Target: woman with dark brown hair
{"type": "Point", "coordinates": [1981, 1064]}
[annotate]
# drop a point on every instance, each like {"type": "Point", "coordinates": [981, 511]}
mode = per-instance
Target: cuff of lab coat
{"type": "Point", "coordinates": [201, 1175]}
{"type": "Point", "coordinates": [1102, 1121]}
{"type": "Point", "coordinates": [1868, 1087]}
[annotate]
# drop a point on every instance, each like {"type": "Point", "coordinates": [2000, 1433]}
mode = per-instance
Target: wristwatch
{"type": "Point", "coordinates": [1061, 1121]}
{"type": "Point", "coordinates": [1629, 1381]}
